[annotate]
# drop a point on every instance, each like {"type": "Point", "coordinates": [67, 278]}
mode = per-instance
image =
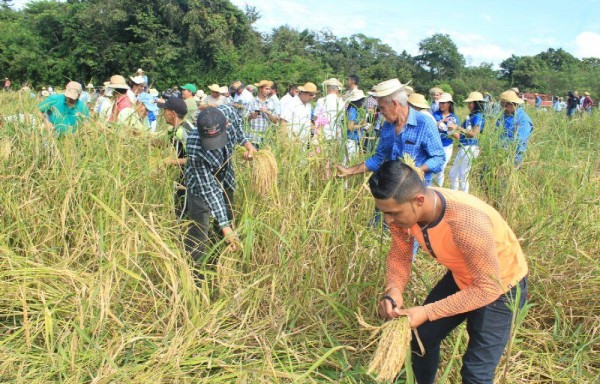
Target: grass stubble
{"type": "Point", "coordinates": [94, 286]}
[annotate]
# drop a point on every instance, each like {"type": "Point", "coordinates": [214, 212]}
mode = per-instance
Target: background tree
{"type": "Point", "coordinates": [440, 57]}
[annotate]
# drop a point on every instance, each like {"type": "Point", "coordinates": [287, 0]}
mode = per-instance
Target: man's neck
{"type": "Point", "coordinates": [402, 119]}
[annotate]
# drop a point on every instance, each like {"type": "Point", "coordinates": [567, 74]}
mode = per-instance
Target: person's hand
{"type": "Point", "coordinates": [416, 316]}
{"type": "Point", "coordinates": [386, 309]}
{"type": "Point", "coordinates": [452, 125]}
{"type": "Point", "coordinates": [231, 238]}
{"type": "Point", "coordinates": [249, 154]}
{"type": "Point", "coordinates": [265, 109]}
{"type": "Point", "coordinates": [342, 171]}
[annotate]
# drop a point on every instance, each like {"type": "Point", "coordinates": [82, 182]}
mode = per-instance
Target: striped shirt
{"type": "Point", "coordinates": [419, 138]}
{"type": "Point", "coordinates": [209, 172]}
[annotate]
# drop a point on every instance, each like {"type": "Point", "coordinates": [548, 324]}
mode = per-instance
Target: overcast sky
{"type": "Point", "coordinates": [484, 31]}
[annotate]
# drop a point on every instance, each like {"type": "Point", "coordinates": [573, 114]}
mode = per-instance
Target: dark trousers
{"type": "Point", "coordinates": [488, 328]}
{"type": "Point", "coordinates": [199, 234]}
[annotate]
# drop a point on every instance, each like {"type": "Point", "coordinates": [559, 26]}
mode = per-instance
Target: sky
{"type": "Point", "coordinates": [484, 31]}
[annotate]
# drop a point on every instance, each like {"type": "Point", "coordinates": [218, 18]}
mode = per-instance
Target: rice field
{"type": "Point", "coordinates": [95, 286]}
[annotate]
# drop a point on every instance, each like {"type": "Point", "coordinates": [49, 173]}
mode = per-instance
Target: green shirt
{"type": "Point", "coordinates": [65, 119]}
{"type": "Point", "coordinates": [192, 108]}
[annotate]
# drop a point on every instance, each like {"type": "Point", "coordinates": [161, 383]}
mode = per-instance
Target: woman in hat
{"type": "Point", "coordinates": [418, 102]}
{"type": "Point", "coordinates": [446, 122]}
{"type": "Point", "coordinates": [355, 116]}
{"type": "Point", "coordinates": [515, 123]}
{"type": "Point", "coordinates": [468, 146]}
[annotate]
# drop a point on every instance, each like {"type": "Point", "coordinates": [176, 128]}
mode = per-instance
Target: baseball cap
{"type": "Point", "coordinates": [212, 127]}
{"type": "Point", "coordinates": [190, 87]}
{"type": "Point", "coordinates": [148, 101]}
{"type": "Point", "coordinates": [73, 90]}
{"type": "Point", "coordinates": [175, 104]}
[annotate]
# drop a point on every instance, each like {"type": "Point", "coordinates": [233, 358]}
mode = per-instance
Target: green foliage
{"type": "Point", "coordinates": [440, 56]}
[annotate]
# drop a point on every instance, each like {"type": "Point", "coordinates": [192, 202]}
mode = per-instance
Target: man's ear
{"type": "Point", "coordinates": [419, 199]}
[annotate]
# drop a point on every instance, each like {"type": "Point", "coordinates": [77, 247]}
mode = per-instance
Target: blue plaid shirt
{"type": "Point", "coordinates": [419, 138]}
{"type": "Point", "coordinates": [210, 172]}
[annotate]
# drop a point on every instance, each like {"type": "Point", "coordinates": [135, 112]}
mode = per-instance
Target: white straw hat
{"type": "Point", "coordinates": [387, 88]}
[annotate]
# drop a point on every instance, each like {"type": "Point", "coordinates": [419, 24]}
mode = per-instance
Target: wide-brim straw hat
{"type": "Point", "coordinates": [215, 88]}
{"type": "Point", "coordinates": [356, 95]}
{"type": "Point", "coordinates": [118, 82]}
{"type": "Point", "coordinates": [200, 93]}
{"type": "Point", "coordinates": [445, 98]}
{"type": "Point", "coordinates": [263, 83]}
{"type": "Point", "coordinates": [418, 100]}
{"type": "Point", "coordinates": [90, 85]}
{"type": "Point", "coordinates": [511, 97]}
{"type": "Point", "coordinates": [308, 87]}
{"type": "Point", "coordinates": [586, 93]}
{"type": "Point", "coordinates": [387, 88]}
{"type": "Point", "coordinates": [515, 90]}
{"type": "Point", "coordinates": [223, 89]}
{"type": "Point", "coordinates": [474, 96]}
{"type": "Point", "coordinates": [153, 92]}
{"type": "Point", "coordinates": [436, 90]}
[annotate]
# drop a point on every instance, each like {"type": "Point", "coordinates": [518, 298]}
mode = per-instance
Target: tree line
{"type": "Point", "coordinates": [213, 41]}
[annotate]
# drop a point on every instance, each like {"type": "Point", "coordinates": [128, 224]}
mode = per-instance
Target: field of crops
{"type": "Point", "coordinates": [95, 287]}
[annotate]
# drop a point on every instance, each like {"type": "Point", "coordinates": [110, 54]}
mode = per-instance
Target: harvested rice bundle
{"type": "Point", "coordinates": [264, 170]}
{"type": "Point", "coordinates": [388, 360]}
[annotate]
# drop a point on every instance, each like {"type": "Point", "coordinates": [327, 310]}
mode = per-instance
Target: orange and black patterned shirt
{"type": "Point", "coordinates": [473, 241]}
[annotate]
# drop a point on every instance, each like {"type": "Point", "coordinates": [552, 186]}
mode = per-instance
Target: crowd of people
{"type": "Point", "coordinates": [486, 266]}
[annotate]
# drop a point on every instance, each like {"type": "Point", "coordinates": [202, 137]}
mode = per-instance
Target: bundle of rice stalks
{"type": "Point", "coordinates": [5, 149]}
{"type": "Point", "coordinates": [264, 170]}
{"type": "Point", "coordinates": [388, 360]}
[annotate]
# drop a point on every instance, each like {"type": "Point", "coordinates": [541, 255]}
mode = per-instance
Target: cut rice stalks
{"type": "Point", "coordinates": [389, 357]}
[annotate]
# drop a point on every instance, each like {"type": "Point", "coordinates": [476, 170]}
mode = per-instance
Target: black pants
{"type": "Point", "coordinates": [488, 328]}
{"type": "Point", "coordinates": [200, 235]}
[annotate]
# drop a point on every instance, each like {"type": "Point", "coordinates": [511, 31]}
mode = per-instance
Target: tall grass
{"type": "Point", "coordinates": [95, 287]}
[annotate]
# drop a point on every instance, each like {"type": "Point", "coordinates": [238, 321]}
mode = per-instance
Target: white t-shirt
{"type": "Point", "coordinates": [298, 120]}
{"type": "Point", "coordinates": [329, 112]}
{"type": "Point", "coordinates": [286, 102]}
{"type": "Point", "coordinates": [244, 98]}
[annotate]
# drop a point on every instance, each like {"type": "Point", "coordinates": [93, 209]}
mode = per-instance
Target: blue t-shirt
{"type": "Point", "coordinates": [471, 122]}
{"type": "Point", "coordinates": [65, 119]}
{"type": "Point", "coordinates": [352, 114]}
{"type": "Point", "coordinates": [446, 140]}
{"type": "Point", "coordinates": [516, 129]}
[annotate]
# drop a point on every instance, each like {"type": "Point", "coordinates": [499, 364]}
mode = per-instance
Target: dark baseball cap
{"type": "Point", "coordinates": [175, 104]}
{"type": "Point", "coordinates": [212, 127]}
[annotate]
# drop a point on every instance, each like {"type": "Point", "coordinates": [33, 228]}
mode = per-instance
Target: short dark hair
{"type": "Point", "coordinates": [397, 180]}
{"type": "Point", "coordinates": [293, 87]}
{"type": "Point", "coordinates": [355, 79]}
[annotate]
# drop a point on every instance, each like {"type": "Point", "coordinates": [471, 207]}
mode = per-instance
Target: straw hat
{"type": "Point", "coordinates": [515, 90]}
{"type": "Point", "coordinates": [137, 79]}
{"type": "Point", "coordinates": [139, 70]}
{"type": "Point", "coordinates": [436, 90]}
{"type": "Point", "coordinates": [237, 85]}
{"type": "Point", "coordinates": [308, 87]}
{"type": "Point", "coordinates": [90, 85]}
{"type": "Point", "coordinates": [445, 98]}
{"type": "Point", "coordinates": [263, 83]}
{"type": "Point", "coordinates": [215, 88]}
{"type": "Point", "coordinates": [511, 97]}
{"type": "Point", "coordinates": [409, 90]}
{"type": "Point", "coordinates": [474, 96]}
{"type": "Point", "coordinates": [118, 82]}
{"type": "Point", "coordinates": [73, 90]}
{"type": "Point", "coordinates": [200, 93]}
{"type": "Point", "coordinates": [387, 88]}
{"type": "Point", "coordinates": [334, 82]}
{"type": "Point", "coordinates": [356, 95]}
{"type": "Point", "coordinates": [586, 93]}
{"type": "Point", "coordinates": [418, 100]}
{"type": "Point", "coordinates": [153, 92]}
{"type": "Point", "coordinates": [223, 89]}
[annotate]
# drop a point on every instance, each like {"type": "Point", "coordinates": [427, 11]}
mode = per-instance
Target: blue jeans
{"type": "Point", "coordinates": [488, 328]}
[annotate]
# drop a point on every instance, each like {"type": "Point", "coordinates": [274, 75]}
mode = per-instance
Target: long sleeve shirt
{"type": "Point", "coordinates": [419, 138]}
{"type": "Point", "coordinates": [516, 129]}
{"type": "Point", "coordinates": [209, 172]}
{"type": "Point", "coordinates": [473, 241]}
